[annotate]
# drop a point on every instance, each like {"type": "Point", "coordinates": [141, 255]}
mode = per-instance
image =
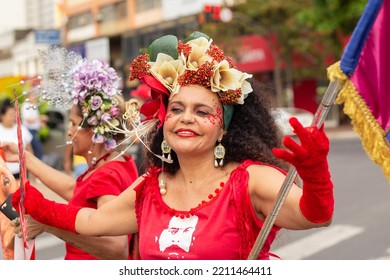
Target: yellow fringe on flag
{"type": "Point", "coordinates": [364, 124]}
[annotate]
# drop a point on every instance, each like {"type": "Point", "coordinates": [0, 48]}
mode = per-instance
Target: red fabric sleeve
{"type": "Point", "coordinates": [112, 180]}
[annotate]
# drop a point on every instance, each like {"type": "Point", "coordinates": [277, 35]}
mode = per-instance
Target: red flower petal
{"type": "Point", "coordinates": [143, 91]}
{"type": "Point", "coordinates": [156, 86]}
{"type": "Point", "coordinates": [150, 108]}
{"type": "Point", "coordinates": [155, 108]}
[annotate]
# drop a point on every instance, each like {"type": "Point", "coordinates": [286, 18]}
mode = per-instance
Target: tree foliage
{"type": "Point", "coordinates": [334, 20]}
{"type": "Point", "coordinates": [330, 16]}
{"type": "Point", "coordinates": [311, 30]}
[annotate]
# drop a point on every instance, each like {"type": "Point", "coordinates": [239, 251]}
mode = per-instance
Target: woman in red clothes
{"type": "Point", "coordinates": [216, 163]}
{"type": "Point", "coordinates": [97, 108]}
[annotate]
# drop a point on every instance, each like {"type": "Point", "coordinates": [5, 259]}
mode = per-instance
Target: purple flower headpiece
{"type": "Point", "coordinates": [95, 84]}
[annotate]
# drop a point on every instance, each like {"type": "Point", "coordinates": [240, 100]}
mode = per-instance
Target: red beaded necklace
{"type": "Point", "coordinates": [165, 209]}
{"type": "Point", "coordinates": [93, 166]}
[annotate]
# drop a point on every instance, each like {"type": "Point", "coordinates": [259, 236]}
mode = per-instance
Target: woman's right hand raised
{"type": "Point", "coordinates": [11, 151]}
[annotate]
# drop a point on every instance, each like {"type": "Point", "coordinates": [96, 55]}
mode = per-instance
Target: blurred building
{"type": "Point", "coordinates": [110, 30]}
{"type": "Point", "coordinates": [115, 30]}
{"type": "Point", "coordinates": [37, 27]}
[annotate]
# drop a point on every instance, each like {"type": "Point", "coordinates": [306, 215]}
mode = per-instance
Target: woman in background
{"type": "Point", "coordinates": [97, 108]}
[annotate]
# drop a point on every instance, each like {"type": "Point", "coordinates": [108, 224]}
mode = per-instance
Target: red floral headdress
{"type": "Point", "coordinates": [169, 64]}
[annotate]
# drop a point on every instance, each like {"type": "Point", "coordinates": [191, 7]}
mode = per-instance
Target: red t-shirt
{"type": "Point", "coordinates": [111, 178]}
{"type": "Point", "coordinates": [225, 227]}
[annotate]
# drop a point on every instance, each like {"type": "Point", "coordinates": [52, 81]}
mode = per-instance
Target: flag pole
{"type": "Point", "coordinates": [318, 119]}
{"type": "Point", "coordinates": [23, 176]}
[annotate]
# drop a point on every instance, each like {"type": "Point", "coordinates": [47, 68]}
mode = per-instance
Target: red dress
{"type": "Point", "coordinates": [224, 227]}
{"type": "Point", "coordinates": [111, 178]}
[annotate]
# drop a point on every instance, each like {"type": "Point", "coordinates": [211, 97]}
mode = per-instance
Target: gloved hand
{"type": "Point", "coordinates": [45, 211]}
{"type": "Point", "coordinates": [310, 160]}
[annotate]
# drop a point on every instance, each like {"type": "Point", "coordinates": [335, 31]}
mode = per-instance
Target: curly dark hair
{"type": "Point", "coordinates": [252, 133]}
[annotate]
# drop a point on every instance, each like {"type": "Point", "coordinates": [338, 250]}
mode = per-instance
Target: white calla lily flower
{"type": "Point", "coordinates": [225, 78]}
{"type": "Point", "coordinates": [200, 42]}
{"type": "Point", "coordinates": [197, 57]}
{"type": "Point", "coordinates": [167, 70]}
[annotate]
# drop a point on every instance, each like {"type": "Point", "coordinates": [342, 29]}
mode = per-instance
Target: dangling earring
{"type": "Point", "coordinates": [93, 160]}
{"type": "Point", "coordinates": [163, 187]}
{"type": "Point", "coordinates": [219, 154]}
{"type": "Point", "coordinates": [166, 150]}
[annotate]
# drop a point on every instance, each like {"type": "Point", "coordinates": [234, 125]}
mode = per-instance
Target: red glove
{"type": "Point", "coordinates": [45, 211]}
{"type": "Point", "coordinates": [2, 154]}
{"type": "Point", "coordinates": [309, 159]}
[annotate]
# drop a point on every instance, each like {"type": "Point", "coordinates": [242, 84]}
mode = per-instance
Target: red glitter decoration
{"type": "Point", "coordinates": [216, 53]}
{"type": "Point", "coordinates": [202, 76]}
{"type": "Point", "coordinates": [230, 61]}
{"type": "Point", "coordinates": [230, 96]}
{"type": "Point", "coordinates": [183, 48]}
{"type": "Point", "coordinates": [139, 66]}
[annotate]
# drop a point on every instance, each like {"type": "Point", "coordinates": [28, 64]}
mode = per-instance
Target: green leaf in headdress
{"type": "Point", "coordinates": [196, 35]}
{"type": "Point", "coordinates": [228, 111]}
{"type": "Point", "coordinates": [143, 50]}
{"type": "Point", "coordinates": [166, 44]}
{"type": "Point", "coordinates": [114, 122]}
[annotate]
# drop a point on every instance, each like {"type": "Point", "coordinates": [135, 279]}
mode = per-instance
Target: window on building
{"type": "Point", "coordinates": [80, 20]}
{"type": "Point", "coordinates": [113, 12]}
{"type": "Point", "coordinates": [144, 5]}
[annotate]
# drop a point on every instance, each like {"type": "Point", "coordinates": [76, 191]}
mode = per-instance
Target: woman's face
{"type": "Point", "coordinates": [194, 121]}
{"type": "Point", "coordinates": [9, 117]}
{"type": "Point", "coordinates": [81, 139]}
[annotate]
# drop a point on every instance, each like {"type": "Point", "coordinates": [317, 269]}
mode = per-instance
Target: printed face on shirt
{"type": "Point", "coordinates": [178, 234]}
{"type": "Point", "coordinates": [194, 120]}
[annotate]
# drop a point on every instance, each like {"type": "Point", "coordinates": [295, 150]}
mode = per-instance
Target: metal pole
{"type": "Point", "coordinates": [319, 117]}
